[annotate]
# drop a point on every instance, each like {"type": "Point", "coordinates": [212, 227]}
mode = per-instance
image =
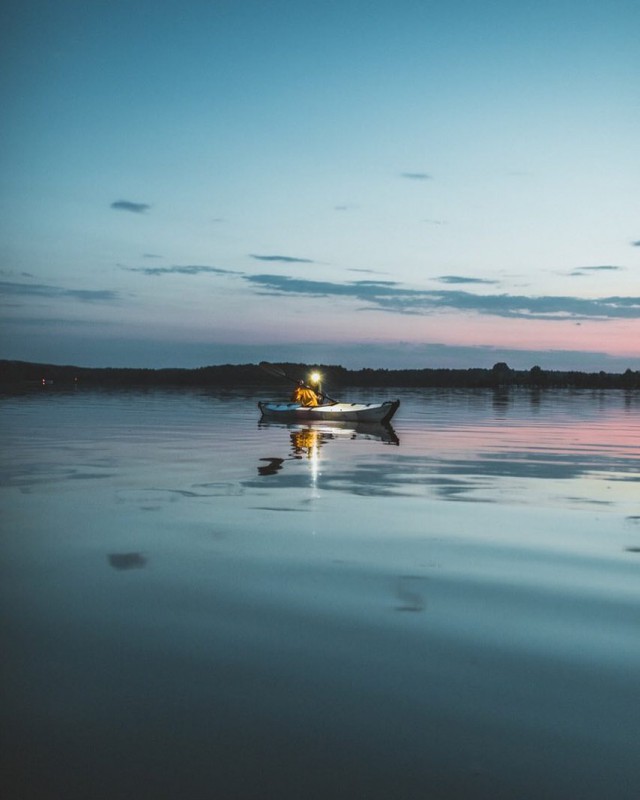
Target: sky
{"type": "Point", "coordinates": [402, 183]}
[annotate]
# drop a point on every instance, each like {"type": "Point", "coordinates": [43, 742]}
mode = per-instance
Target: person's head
{"type": "Point", "coordinates": [300, 383]}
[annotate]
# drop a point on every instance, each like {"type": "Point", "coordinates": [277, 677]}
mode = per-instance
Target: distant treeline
{"type": "Point", "coordinates": [22, 373]}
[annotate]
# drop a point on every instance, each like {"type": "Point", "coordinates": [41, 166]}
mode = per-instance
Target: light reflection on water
{"type": "Point", "coordinates": [199, 604]}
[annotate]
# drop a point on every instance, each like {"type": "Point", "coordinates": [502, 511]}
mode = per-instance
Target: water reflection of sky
{"type": "Point", "coordinates": [165, 615]}
{"type": "Point", "coordinates": [533, 448]}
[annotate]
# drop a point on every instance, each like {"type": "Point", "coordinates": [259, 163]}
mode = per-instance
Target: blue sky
{"type": "Point", "coordinates": [366, 183]}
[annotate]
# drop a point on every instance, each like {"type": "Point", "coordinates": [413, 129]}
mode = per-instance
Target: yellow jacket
{"type": "Point", "coordinates": [304, 396]}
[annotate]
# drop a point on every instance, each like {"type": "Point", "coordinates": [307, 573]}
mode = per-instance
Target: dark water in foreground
{"type": "Point", "coordinates": [197, 606]}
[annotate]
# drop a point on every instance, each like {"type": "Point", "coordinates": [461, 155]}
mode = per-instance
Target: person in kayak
{"type": "Point", "coordinates": [304, 395]}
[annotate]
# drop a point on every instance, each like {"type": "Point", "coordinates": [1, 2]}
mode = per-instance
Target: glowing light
{"type": "Point", "coordinates": [315, 377]}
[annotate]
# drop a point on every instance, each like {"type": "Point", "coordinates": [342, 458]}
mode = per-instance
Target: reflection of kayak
{"type": "Point", "coordinates": [337, 412]}
{"type": "Point", "coordinates": [376, 431]}
{"type": "Point", "coordinates": [335, 429]}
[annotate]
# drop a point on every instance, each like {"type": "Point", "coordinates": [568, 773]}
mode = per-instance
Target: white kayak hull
{"type": "Point", "coordinates": [338, 412]}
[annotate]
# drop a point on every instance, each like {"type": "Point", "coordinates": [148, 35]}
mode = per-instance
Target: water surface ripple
{"type": "Point", "coordinates": [197, 604]}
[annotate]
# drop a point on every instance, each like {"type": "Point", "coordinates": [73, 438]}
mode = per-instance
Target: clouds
{"type": "Point", "coordinates": [370, 294]}
{"type": "Point", "coordinates": [390, 296]}
{"type": "Point", "coordinates": [180, 270]}
{"type": "Point", "coordinates": [283, 259]}
{"type": "Point", "coordinates": [128, 205]}
{"type": "Point", "coordinates": [580, 271]}
{"type": "Point", "coordinates": [9, 289]}
{"type": "Point", "coordinates": [367, 271]}
{"type": "Point", "coordinates": [541, 308]}
{"type": "Point", "coordinates": [462, 279]}
{"type": "Point", "coordinates": [416, 176]}
{"type": "Point", "coordinates": [283, 284]}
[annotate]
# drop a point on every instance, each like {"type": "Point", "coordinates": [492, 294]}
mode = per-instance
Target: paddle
{"type": "Point", "coordinates": [280, 373]}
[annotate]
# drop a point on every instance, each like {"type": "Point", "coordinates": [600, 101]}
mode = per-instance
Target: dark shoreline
{"type": "Point", "coordinates": [24, 373]}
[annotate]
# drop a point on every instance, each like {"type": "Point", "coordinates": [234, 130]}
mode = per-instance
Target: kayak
{"type": "Point", "coordinates": [338, 412]}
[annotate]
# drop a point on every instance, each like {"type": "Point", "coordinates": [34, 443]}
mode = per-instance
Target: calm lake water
{"type": "Point", "coordinates": [196, 605]}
